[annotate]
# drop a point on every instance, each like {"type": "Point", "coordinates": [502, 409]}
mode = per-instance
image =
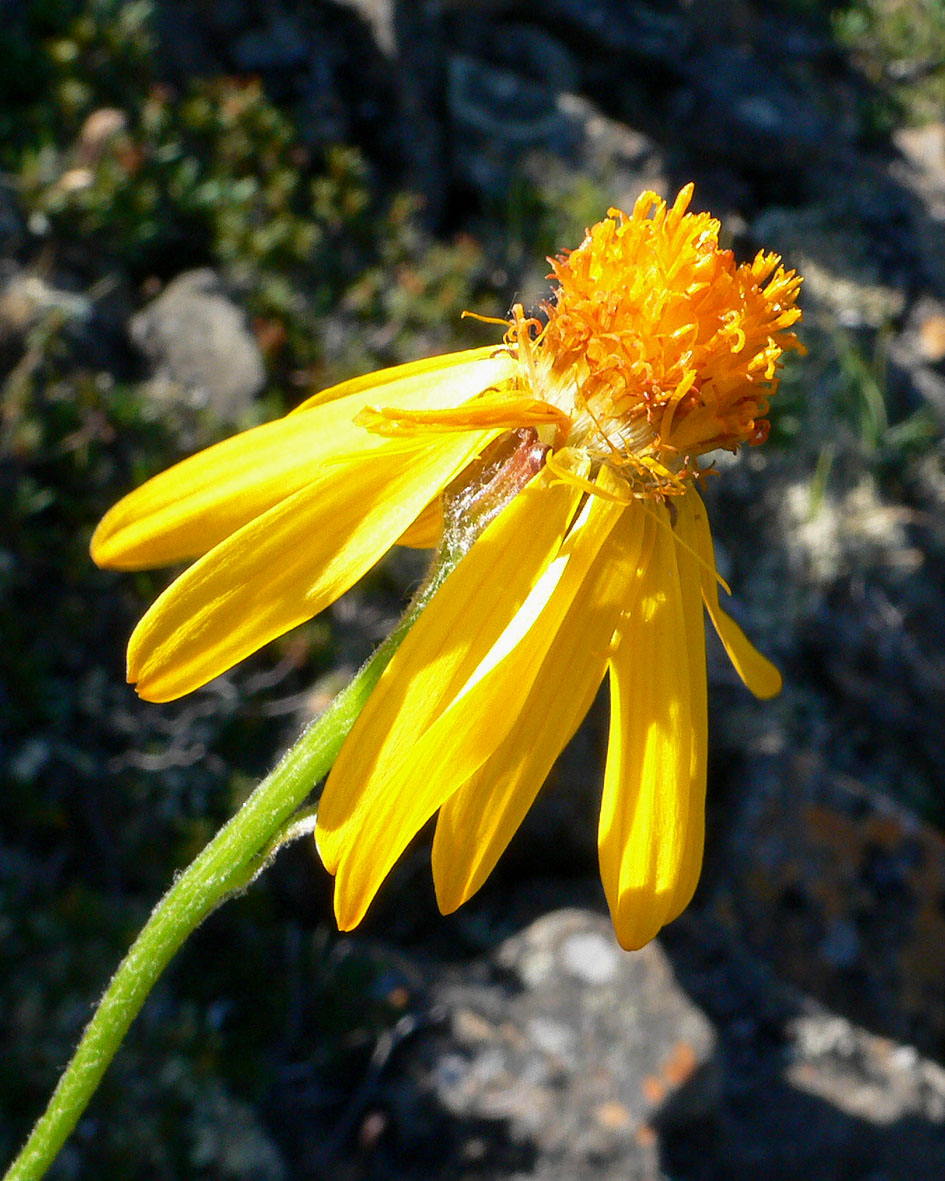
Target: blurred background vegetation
{"type": "Point", "coordinates": [342, 200]}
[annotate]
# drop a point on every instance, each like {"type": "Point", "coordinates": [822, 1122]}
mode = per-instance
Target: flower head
{"type": "Point", "coordinates": [657, 346]}
{"type": "Point", "coordinates": [562, 468]}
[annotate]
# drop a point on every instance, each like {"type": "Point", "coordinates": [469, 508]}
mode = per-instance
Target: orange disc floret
{"type": "Point", "coordinates": [656, 342]}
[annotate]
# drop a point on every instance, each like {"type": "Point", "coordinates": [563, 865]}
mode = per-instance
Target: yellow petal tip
{"type": "Point", "coordinates": [771, 688]}
{"type": "Point", "coordinates": [448, 902]}
{"type": "Point", "coordinates": [636, 924]}
{"type": "Point", "coordinates": [348, 911]}
{"type": "Point", "coordinates": [101, 547]}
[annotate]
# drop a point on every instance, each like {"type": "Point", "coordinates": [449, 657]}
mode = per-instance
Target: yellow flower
{"type": "Point", "coordinates": [563, 466]}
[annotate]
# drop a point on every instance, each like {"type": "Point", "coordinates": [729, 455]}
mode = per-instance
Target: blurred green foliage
{"type": "Point", "coordinates": [218, 177]}
{"type": "Point", "coordinates": [125, 175]}
{"type": "Point", "coordinates": [63, 59]}
{"type": "Point", "coordinates": [900, 44]}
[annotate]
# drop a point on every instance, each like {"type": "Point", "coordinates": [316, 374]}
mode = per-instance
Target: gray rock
{"type": "Point", "coordinates": [497, 116]}
{"type": "Point", "coordinates": [805, 1091]}
{"type": "Point", "coordinates": [736, 107]}
{"type": "Point", "coordinates": [655, 32]}
{"type": "Point", "coordinates": [381, 16]}
{"type": "Point", "coordinates": [581, 1056]}
{"type": "Point", "coordinates": [200, 347]}
{"type": "Point", "coordinates": [921, 170]}
{"type": "Point", "coordinates": [843, 278]}
{"type": "Point", "coordinates": [509, 123]}
{"type": "Point", "coordinates": [866, 1076]}
{"type": "Point", "coordinates": [614, 160]}
{"type": "Point", "coordinates": [557, 1055]}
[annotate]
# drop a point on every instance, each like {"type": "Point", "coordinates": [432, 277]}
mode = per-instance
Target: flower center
{"type": "Point", "coordinates": [657, 348]}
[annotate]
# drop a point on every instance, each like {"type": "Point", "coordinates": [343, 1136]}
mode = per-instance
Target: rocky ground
{"type": "Point", "coordinates": [793, 1022]}
{"type": "Point", "coordinates": [554, 1055]}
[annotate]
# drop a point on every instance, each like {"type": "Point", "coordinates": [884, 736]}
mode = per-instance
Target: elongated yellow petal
{"type": "Point", "coordinates": [478, 821]}
{"type": "Point", "coordinates": [498, 410]}
{"type": "Point", "coordinates": [188, 509]}
{"type": "Point", "coordinates": [287, 565]}
{"type": "Point", "coordinates": [689, 565]}
{"type": "Point", "coordinates": [456, 745]}
{"type": "Point", "coordinates": [646, 799]}
{"type": "Point", "coordinates": [442, 650]}
{"type": "Point", "coordinates": [399, 373]}
{"type": "Point", "coordinates": [757, 671]}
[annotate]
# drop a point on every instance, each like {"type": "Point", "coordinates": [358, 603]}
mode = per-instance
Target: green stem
{"type": "Point", "coordinates": [226, 865]}
{"type": "Point", "coordinates": [235, 856]}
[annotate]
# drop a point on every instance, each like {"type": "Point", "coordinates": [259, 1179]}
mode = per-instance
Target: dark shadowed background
{"type": "Point", "coordinates": [208, 210]}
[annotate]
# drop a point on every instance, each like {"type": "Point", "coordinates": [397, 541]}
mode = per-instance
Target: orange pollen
{"type": "Point", "coordinates": [657, 347]}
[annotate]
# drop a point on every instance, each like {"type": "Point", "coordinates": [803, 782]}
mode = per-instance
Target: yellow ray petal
{"type": "Point", "coordinates": [398, 373]}
{"type": "Point", "coordinates": [421, 777]}
{"type": "Point", "coordinates": [490, 410]}
{"type": "Point", "coordinates": [478, 821]}
{"type": "Point", "coordinates": [689, 566]}
{"type": "Point", "coordinates": [188, 509]}
{"type": "Point", "coordinates": [427, 530]}
{"type": "Point", "coordinates": [757, 671]}
{"type": "Point", "coordinates": [286, 565]}
{"type": "Point", "coordinates": [646, 798]}
{"type": "Point", "coordinates": [444, 647]}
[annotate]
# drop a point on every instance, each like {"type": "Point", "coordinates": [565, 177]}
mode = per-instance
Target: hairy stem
{"type": "Point", "coordinates": [225, 866]}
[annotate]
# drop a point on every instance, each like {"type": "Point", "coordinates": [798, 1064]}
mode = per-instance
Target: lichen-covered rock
{"type": "Point", "coordinates": [842, 890]}
{"type": "Point", "coordinates": [614, 1033]}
